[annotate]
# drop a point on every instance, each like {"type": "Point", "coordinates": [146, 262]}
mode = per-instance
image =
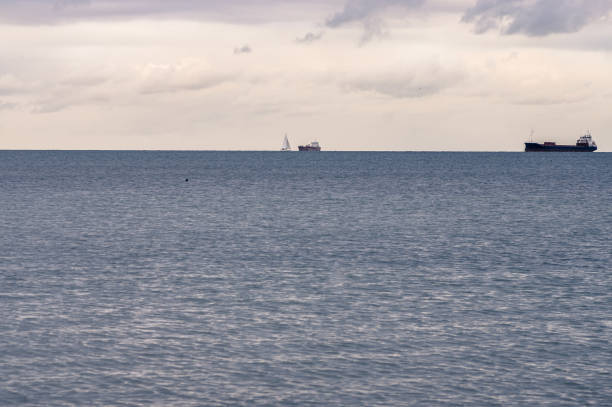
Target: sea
{"type": "Point", "coordinates": [152, 278]}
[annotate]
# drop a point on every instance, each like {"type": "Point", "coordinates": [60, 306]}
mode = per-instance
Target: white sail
{"type": "Point", "coordinates": [286, 146]}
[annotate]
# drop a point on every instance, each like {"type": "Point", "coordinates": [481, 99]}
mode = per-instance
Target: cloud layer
{"type": "Point", "coordinates": [529, 17]}
{"type": "Point", "coordinates": [59, 11]}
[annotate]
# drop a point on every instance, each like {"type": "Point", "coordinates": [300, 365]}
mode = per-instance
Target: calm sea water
{"type": "Point", "coordinates": [331, 279]}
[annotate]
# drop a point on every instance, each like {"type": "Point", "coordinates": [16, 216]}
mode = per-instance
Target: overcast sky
{"type": "Point", "coordinates": [352, 74]}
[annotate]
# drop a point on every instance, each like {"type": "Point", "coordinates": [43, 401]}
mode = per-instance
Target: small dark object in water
{"type": "Point", "coordinates": [186, 179]}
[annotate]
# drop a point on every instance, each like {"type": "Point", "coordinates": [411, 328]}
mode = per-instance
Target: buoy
{"type": "Point", "coordinates": [186, 179]}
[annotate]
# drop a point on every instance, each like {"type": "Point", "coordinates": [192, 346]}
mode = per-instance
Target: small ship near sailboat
{"type": "Point", "coordinates": [314, 146]}
{"type": "Point", "coordinates": [583, 144]}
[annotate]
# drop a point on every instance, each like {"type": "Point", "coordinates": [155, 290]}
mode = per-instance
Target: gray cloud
{"type": "Point", "coordinates": [11, 84]}
{"type": "Point", "coordinates": [360, 10]}
{"type": "Point", "coordinates": [414, 83]}
{"type": "Point", "coordinates": [368, 13]}
{"type": "Point", "coordinates": [85, 81]}
{"type": "Point", "coordinates": [245, 49]}
{"type": "Point", "coordinates": [186, 75]}
{"type": "Point", "coordinates": [7, 105]}
{"type": "Point", "coordinates": [169, 87]}
{"type": "Point", "coordinates": [61, 11]}
{"type": "Point", "coordinates": [61, 102]}
{"type": "Point", "coordinates": [54, 92]}
{"type": "Point", "coordinates": [372, 28]}
{"type": "Point", "coordinates": [309, 38]}
{"type": "Point", "coordinates": [535, 17]}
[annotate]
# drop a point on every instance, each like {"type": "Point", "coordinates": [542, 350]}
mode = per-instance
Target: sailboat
{"type": "Point", "coordinates": [286, 146]}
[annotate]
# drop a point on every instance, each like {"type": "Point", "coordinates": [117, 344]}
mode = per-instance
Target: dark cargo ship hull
{"type": "Point", "coordinates": [537, 147]}
{"type": "Point", "coordinates": [309, 148]}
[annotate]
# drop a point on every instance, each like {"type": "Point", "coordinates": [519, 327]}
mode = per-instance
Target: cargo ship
{"type": "Point", "coordinates": [314, 146]}
{"type": "Point", "coordinates": [583, 144]}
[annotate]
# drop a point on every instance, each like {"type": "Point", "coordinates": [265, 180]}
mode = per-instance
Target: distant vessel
{"type": "Point", "coordinates": [286, 146]}
{"type": "Point", "coordinates": [314, 146]}
{"type": "Point", "coordinates": [583, 144]}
